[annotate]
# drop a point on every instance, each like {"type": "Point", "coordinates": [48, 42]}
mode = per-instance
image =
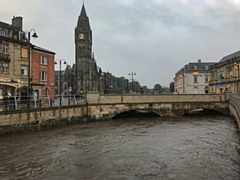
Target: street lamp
{"type": "Point", "coordinates": [29, 76]}
{"type": "Point", "coordinates": [60, 84]}
{"type": "Point", "coordinates": [132, 74]}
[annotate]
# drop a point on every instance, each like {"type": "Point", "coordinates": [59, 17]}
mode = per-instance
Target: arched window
{"type": "Point", "coordinates": [206, 90]}
{"type": "Point", "coordinates": [195, 89]}
{"type": "Point", "coordinates": [46, 92]}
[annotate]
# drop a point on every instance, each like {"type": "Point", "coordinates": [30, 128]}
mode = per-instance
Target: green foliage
{"type": "Point", "coordinates": [171, 87]}
{"type": "Point", "coordinates": [121, 85]}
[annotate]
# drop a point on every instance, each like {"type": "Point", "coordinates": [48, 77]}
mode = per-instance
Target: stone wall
{"type": "Point", "coordinates": [107, 106]}
{"type": "Point", "coordinates": [35, 119]}
{"type": "Point", "coordinates": [234, 107]}
{"type": "Point", "coordinates": [155, 98]}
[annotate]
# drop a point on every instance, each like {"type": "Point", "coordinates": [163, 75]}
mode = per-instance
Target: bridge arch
{"type": "Point", "coordinates": [109, 106]}
{"type": "Point", "coordinates": [135, 113]}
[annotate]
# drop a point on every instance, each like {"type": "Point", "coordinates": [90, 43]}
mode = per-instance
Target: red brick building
{"type": "Point", "coordinates": [42, 72]}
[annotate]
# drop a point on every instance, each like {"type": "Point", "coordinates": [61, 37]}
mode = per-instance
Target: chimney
{"type": "Point", "coordinates": [199, 61]}
{"type": "Point", "coordinates": [17, 22]}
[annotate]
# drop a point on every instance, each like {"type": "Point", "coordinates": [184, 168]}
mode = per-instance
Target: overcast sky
{"type": "Point", "coordinates": [152, 38]}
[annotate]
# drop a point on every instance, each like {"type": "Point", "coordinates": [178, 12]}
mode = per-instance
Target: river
{"type": "Point", "coordinates": [185, 148]}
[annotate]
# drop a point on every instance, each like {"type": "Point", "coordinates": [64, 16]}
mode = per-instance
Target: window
{"type": "Point", "coordinates": [206, 67]}
{"type": "Point", "coordinates": [206, 79]}
{"type": "Point", "coordinates": [5, 48]}
{"type": "Point", "coordinates": [195, 67]}
{"type": "Point", "coordinates": [43, 76]}
{"type": "Point", "coordinates": [22, 36]}
{"type": "Point", "coordinates": [195, 79]}
{"type": "Point", "coordinates": [46, 92]}
{"type": "Point", "coordinates": [3, 32]}
{"type": "Point", "coordinates": [212, 76]}
{"type": "Point", "coordinates": [230, 72]}
{"type": "Point", "coordinates": [43, 60]}
{"type": "Point", "coordinates": [3, 67]}
{"type": "Point", "coordinates": [221, 75]}
{"type": "Point", "coordinates": [24, 70]}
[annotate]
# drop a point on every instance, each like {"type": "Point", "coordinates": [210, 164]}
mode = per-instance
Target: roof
{"type": "Point", "coordinates": [57, 72]}
{"type": "Point", "coordinates": [230, 56]}
{"type": "Point", "coordinates": [83, 11]}
{"type": "Point", "coordinates": [42, 49]}
{"type": "Point", "coordinates": [7, 26]}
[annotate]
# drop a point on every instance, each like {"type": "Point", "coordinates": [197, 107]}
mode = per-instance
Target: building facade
{"type": "Point", "coordinates": [224, 75]}
{"type": "Point", "coordinates": [193, 78]}
{"type": "Point", "coordinates": [15, 54]}
{"type": "Point", "coordinates": [13, 59]}
{"type": "Point", "coordinates": [42, 72]}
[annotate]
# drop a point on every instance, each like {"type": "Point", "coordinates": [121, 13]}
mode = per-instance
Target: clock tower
{"type": "Point", "coordinates": [83, 54]}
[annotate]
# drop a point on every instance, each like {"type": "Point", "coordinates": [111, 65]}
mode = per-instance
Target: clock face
{"type": "Point", "coordinates": [81, 36]}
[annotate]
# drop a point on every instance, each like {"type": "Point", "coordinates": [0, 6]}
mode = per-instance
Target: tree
{"type": "Point", "coordinates": [146, 90]}
{"type": "Point", "coordinates": [171, 86]}
{"type": "Point", "coordinates": [157, 88]}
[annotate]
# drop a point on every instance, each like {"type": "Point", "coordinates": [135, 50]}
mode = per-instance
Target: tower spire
{"type": "Point", "coordinates": [83, 11]}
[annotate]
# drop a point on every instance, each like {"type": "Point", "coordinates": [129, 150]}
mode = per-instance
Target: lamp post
{"type": "Point", "coordinates": [60, 84]}
{"type": "Point", "coordinates": [132, 74]}
{"type": "Point", "coordinates": [29, 66]}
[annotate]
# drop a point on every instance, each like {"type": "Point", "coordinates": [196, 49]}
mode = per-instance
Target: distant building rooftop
{"type": "Point", "coordinates": [230, 56]}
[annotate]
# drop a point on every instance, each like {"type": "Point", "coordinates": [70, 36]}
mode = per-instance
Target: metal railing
{"type": "Point", "coordinates": [26, 102]}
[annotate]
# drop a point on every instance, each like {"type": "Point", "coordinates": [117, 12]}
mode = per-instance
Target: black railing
{"type": "Point", "coordinates": [26, 102]}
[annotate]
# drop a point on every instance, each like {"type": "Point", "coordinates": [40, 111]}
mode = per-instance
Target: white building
{"type": "Point", "coordinates": [193, 78]}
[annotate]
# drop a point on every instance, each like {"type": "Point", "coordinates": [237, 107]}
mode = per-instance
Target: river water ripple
{"type": "Point", "coordinates": [185, 148]}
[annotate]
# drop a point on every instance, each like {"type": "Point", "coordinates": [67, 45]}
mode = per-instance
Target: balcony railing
{"type": "Point", "coordinates": [5, 57]}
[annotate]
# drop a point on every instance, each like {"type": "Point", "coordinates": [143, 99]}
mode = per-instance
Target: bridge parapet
{"type": "Point", "coordinates": [155, 98]}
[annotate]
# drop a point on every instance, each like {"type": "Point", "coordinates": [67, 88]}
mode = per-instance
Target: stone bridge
{"type": "Point", "coordinates": [108, 106]}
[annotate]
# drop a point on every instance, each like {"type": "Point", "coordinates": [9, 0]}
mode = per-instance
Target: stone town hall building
{"type": "Point", "coordinates": [87, 73]}
{"type": "Point", "coordinates": [84, 75]}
